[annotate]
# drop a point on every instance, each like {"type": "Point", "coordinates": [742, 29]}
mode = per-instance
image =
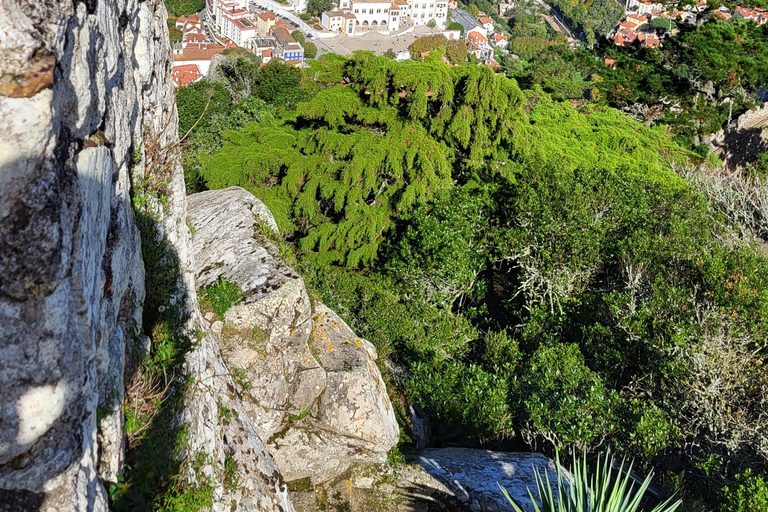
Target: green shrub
{"type": "Point", "coordinates": [748, 493]}
{"type": "Point", "coordinates": [221, 296]}
{"type": "Point", "coordinates": [184, 7]}
{"type": "Point", "coordinates": [564, 401]}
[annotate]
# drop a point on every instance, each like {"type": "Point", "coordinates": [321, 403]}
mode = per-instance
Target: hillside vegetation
{"type": "Point", "coordinates": [538, 275]}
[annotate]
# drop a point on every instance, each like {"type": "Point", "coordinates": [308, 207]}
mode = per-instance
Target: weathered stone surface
{"type": "Point", "coordinates": [311, 386]}
{"type": "Point", "coordinates": [742, 139]}
{"type": "Point", "coordinates": [474, 476]}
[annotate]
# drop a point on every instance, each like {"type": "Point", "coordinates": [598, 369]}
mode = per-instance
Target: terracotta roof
{"type": "Point", "coordinates": [267, 52]}
{"type": "Point", "coordinates": [281, 24]}
{"type": "Point", "coordinates": [186, 74]}
{"type": "Point", "coordinates": [282, 35]}
{"type": "Point", "coordinates": [477, 37]}
{"type": "Point", "coordinates": [499, 37]}
{"type": "Point", "coordinates": [193, 18]}
{"type": "Point", "coordinates": [484, 20]}
{"type": "Point", "coordinates": [268, 16]}
{"type": "Point", "coordinates": [196, 54]}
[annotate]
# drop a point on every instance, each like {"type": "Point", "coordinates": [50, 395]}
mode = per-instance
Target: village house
{"type": "Point", "coordinates": [286, 47]}
{"type": "Point", "coordinates": [478, 44]}
{"type": "Point", "coordinates": [643, 7]}
{"type": "Point", "coordinates": [452, 35]}
{"type": "Point", "coordinates": [636, 27]}
{"type": "Point", "coordinates": [487, 23]}
{"type": "Point", "coordinates": [264, 22]}
{"type": "Point", "coordinates": [504, 7]}
{"type": "Point", "coordinates": [759, 16]}
{"type": "Point", "coordinates": [186, 74]}
{"type": "Point", "coordinates": [500, 41]}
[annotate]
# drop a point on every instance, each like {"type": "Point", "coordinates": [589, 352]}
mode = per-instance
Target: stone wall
{"type": "Point", "coordinates": [82, 84]}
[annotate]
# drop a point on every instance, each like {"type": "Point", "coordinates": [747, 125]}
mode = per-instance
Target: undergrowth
{"type": "Point", "coordinates": [156, 384]}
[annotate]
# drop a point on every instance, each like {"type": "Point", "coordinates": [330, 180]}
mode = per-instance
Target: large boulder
{"type": "Point", "coordinates": [475, 476]}
{"type": "Point", "coordinates": [309, 383]}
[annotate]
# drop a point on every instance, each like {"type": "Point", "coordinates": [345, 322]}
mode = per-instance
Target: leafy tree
{"type": "Point", "coordinates": [299, 37]}
{"type": "Point", "coordinates": [184, 7]}
{"type": "Point", "coordinates": [431, 23]}
{"type": "Point", "coordinates": [455, 26]}
{"type": "Point", "coordinates": [317, 7]}
{"type": "Point", "coordinates": [390, 54]}
{"type": "Point", "coordinates": [238, 72]}
{"type": "Point", "coordinates": [473, 10]}
{"type": "Point", "coordinates": [427, 44]}
{"type": "Point", "coordinates": [175, 35]}
{"type": "Point", "coordinates": [279, 84]}
{"type": "Point", "coordinates": [310, 50]}
{"type": "Point", "coordinates": [664, 23]}
{"type": "Point", "coordinates": [456, 51]}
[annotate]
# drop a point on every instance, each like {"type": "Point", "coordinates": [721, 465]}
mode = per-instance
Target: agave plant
{"type": "Point", "coordinates": [605, 490]}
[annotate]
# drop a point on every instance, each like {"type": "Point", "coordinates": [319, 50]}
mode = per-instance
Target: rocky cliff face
{"type": "Point", "coordinates": [310, 385]}
{"type": "Point", "coordinates": [743, 139]}
{"type": "Point", "coordinates": [87, 118]}
{"type": "Point", "coordinates": [81, 84]}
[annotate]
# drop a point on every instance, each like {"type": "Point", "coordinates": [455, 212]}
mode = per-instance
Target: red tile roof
{"type": "Point", "coordinates": [186, 74]}
{"type": "Point", "coordinates": [197, 54]}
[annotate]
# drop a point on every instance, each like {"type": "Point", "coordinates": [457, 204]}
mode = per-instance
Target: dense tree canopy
{"type": "Point", "coordinates": [542, 273]}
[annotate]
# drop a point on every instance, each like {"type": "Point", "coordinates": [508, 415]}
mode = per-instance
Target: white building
{"type": "Point", "coordinates": [642, 7]}
{"type": "Point", "coordinates": [373, 14]}
{"type": "Point", "coordinates": [238, 30]}
{"type": "Point", "coordinates": [422, 11]}
{"type": "Point", "coordinates": [339, 21]}
{"type": "Point", "coordinates": [384, 15]}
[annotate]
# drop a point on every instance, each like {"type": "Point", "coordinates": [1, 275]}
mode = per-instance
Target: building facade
{"type": "Point", "coordinates": [384, 15]}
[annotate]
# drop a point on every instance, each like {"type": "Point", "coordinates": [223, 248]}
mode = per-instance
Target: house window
{"type": "Point", "coordinates": [378, 11]}
{"type": "Point", "coordinates": [357, 10]}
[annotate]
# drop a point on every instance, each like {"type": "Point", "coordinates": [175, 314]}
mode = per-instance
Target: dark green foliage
{"type": "Point", "coordinates": [310, 50]}
{"type": "Point", "coordinates": [748, 493]}
{"type": "Point", "coordinates": [596, 18]}
{"type": "Point", "coordinates": [279, 84]}
{"type": "Point", "coordinates": [299, 37]}
{"type": "Point", "coordinates": [664, 24]}
{"type": "Point", "coordinates": [239, 72]}
{"type": "Point", "coordinates": [184, 7]}
{"type": "Point", "coordinates": [220, 297]}
{"type": "Point", "coordinates": [538, 271]}
{"type": "Point", "coordinates": [456, 51]}
{"type": "Point", "coordinates": [455, 26]}
{"type": "Point", "coordinates": [427, 44]}
{"type": "Point", "coordinates": [564, 401]}
{"type": "Point", "coordinates": [174, 34]}
{"type": "Point", "coordinates": [317, 7]}
{"type": "Point", "coordinates": [199, 103]}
